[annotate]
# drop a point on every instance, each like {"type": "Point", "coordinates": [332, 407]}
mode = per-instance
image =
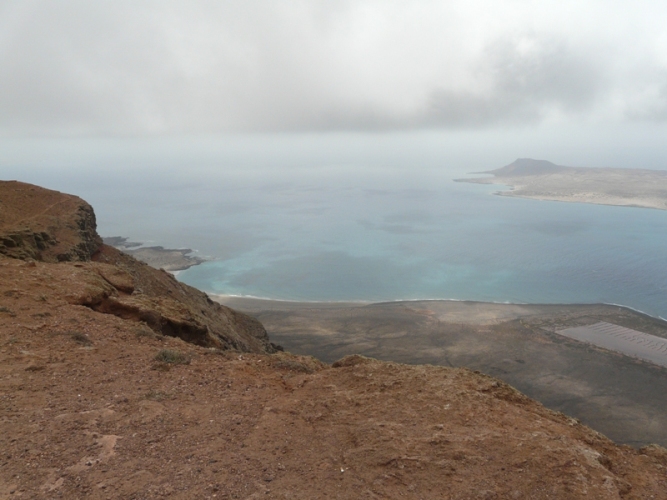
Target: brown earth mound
{"type": "Point", "coordinates": [45, 225]}
{"type": "Point", "coordinates": [97, 406]}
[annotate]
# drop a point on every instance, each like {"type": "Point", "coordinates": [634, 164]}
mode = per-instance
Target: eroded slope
{"type": "Point", "coordinates": [45, 227]}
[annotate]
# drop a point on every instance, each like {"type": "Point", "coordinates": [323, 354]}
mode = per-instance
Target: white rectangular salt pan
{"type": "Point", "coordinates": [620, 339]}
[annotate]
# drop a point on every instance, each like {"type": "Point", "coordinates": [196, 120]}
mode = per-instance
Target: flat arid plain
{"type": "Point", "coordinates": [615, 394]}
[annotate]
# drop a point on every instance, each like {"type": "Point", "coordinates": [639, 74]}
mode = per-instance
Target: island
{"type": "Point", "coordinates": [543, 180]}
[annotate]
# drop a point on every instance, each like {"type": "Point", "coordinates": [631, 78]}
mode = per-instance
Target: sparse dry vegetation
{"type": "Point", "coordinates": [145, 332]}
{"type": "Point", "coordinates": [7, 310]}
{"type": "Point", "coordinates": [298, 364]}
{"type": "Point", "coordinates": [157, 396]}
{"type": "Point", "coordinates": [172, 357]}
{"type": "Point", "coordinates": [81, 338]}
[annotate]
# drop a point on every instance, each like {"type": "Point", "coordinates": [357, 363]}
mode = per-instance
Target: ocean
{"type": "Point", "coordinates": [387, 230]}
{"type": "Point", "coordinates": [338, 241]}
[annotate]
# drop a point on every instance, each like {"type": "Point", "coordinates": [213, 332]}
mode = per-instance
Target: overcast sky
{"type": "Point", "coordinates": [150, 68]}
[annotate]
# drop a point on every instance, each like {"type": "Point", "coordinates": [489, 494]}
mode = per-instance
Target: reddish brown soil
{"type": "Point", "coordinates": [86, 411]}
{"type": "Point", "coordinates": [45, 225]}
{"type": "Point", "coordinates": [48, 226]}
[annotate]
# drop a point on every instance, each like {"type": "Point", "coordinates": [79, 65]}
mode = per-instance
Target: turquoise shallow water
{"type": "Point", "coordinates": [340, 238]}
{"type": "Point", "coordinates": [378, 233]}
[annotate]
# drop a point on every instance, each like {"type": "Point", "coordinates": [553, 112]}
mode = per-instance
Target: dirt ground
{"type": "Point", "coordinates": [86, 411]}
{"type": "Point", "coordinates": [101, 398]}
{"type": "Point", "coordinates": [614, 394]}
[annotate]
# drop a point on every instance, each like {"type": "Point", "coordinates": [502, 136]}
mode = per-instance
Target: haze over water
{"type": "Point", "coordinates": [299, 219]}
{"type": "Point", "coordinates": [335, 240]}
{"type": "Point", "coordinates": [309, 147]}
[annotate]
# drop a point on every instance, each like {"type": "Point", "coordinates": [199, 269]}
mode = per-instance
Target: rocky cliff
{"type": "Point", "coordinates": [111, 387]}
{"type": "Point", "coordinates": [38, 224]}
{"type": "Point", "coordinates": [45, 225]}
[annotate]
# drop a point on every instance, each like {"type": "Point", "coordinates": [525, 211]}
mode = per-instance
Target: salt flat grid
{"type": "Point", "coordinates": [620, 339]}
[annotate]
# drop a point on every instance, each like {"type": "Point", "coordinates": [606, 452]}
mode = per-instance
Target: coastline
{"type": "Point", "coordinates": [545, 181]}
{"type": "Point", "coordinates": [252, 303]}
{"type": "Point", "coordinates": [262, 303]}
{"type": "Point", "coordinates": [520, 344]}
{"type": "Point", "coordinates": [593, 200]}
{"type": "Point", "coordinates": [172, 260]}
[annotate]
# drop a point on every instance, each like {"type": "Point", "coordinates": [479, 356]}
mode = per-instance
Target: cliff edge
{"type": "Point", "coordinates": [111, 387]}
{"type": "Point", "coordinates": [45, 226]}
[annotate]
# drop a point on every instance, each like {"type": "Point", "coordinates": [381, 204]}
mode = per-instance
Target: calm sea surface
{"type": "Point", "coordinates": [337, 237]}
{"type": "Point", "coordinates": [333, 233]}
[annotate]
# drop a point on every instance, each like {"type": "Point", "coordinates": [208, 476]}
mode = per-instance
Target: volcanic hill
{"type": "Point", "coordinates": [117, 381]}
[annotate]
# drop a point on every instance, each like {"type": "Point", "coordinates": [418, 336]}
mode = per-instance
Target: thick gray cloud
{"type": "Point", "coordinates": [83, 68]}
{"type": "Point", "coordinates": [524, 84]}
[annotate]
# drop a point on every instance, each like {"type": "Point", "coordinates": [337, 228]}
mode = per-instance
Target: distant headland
{"type": "Point", "coordinates": [543, 180]}
{"type": "Point", "coordinates": [169, 259]}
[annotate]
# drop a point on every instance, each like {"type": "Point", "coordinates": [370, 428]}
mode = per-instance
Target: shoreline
{"type": "Point", "coordinates": [515, 191]}
{"type": "Point", "coordinates": [610, 202]}
{"type": "Point", "coordinates": [544, 181]}
{"type": "Point", "coordinates": [254, 302]}
{"type": "Point", "coordinates": [244, 301]}
{"type": "Point", "coordinates": [521, 344]}
{"type": "Point", "coordinates": [172, 260]}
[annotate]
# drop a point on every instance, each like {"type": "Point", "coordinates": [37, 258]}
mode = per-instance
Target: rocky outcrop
{"type": "Point", "coordinates": [51, 227]}
{"type": "Point", "coordinates": [142, 293]}
{"type": "Point", "coordinates": [45, 225]}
